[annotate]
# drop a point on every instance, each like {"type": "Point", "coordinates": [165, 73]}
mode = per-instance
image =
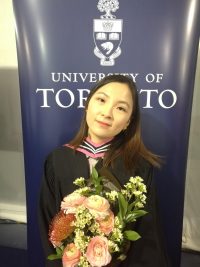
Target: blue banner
{"type": "Point", "coordinates": [65, 47]}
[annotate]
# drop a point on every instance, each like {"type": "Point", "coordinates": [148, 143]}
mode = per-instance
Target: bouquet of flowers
{"type": "Point", "coordinates": [93, 227]}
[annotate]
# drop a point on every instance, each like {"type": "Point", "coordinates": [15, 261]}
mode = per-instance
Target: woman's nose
{"type": "Point", "coordinates": [107, 111]}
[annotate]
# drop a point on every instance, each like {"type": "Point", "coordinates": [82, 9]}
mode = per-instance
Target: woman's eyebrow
{"type": "Point", "coordinates": [124, 102]}
{"type": "Point", "coordinates": [120, 101]}
{"type": "Point", "coordinates": [102, 93]}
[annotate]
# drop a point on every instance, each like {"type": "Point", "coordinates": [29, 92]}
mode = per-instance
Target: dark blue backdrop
{"type": "Point", "coordinates": [159, 39]}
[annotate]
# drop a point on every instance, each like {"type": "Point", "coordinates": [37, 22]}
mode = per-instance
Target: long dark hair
{"type": "Point", "coordinates": [128, 143]}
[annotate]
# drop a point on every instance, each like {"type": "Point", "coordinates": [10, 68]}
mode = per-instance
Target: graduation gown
{"type": "Point", "coordinates": [62, 167]}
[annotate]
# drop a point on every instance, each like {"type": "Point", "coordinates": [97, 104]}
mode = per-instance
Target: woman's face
{"type": "Point", "coordinates": [109, 111]}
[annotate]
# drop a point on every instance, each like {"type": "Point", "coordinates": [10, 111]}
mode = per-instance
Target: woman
{"type": "Point", "coordinates": [109, 137]}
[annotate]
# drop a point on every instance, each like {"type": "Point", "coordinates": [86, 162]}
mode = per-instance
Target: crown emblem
{"type": "Point", "coordinates": [107, 26]}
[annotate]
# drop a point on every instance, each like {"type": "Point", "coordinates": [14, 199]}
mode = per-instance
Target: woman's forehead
{"type": "Point", "coordinates": [117, 91]}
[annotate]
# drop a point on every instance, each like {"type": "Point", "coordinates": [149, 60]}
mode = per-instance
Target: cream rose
{"type": "Point", "coordinates": [71, 202]}
{"type": "Point", "coordinates": [71, 256]}
{"type": "Point", "coordinates": [97, 203]}
{"type": "Point", "coordinates": [97, 252]}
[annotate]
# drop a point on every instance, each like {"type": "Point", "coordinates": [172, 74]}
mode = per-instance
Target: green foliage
{"type": "Point", "coordinates": [131, 235]}
{"type": "Point", "coordinates": [96, 180]}
{"type": "Point", "coordinates": [127, 212]}
{"type": "Point", "coordinates": [54, 257]}
{"type": "Point", "coordinates": [123, 204]}
{"type": "Point", "coordinates": [132, 216]}
{"type": "Point", "coordinates": [58, 255]}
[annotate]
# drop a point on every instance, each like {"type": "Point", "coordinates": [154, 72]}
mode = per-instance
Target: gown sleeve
{"type": "Point", "coordinates": [48, 207]}
{"type": "Point", "coordinates": [149, 250]}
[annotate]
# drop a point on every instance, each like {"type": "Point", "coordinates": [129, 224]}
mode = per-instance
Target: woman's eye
{"type": "Point", "coordinates": [121, 109]}
{"type": "Point", "coordinates": [100, 99]}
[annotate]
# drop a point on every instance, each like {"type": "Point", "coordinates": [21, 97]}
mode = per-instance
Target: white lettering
{"type": "Point", "coordinates": [53, 77]}
{"type": "Point", "coordinates": [93, 78]}
{"type": "Point", "coordinates": [101, 76]}
{"type": "Point", "coordinates": [133, 76]}
{"type": "Point", "coordinates": [65, 98]}
{"type": "Point", "coordinates": [150, 77]}
{"type": "Point", "coordinates": [44, 91]}
{"type": "Point", "coordinates": [57, 98]}
{"type": "Point", "coordinates": [174, 97]}
{"type": "Point", "coordinates": [83, 77]}
{"type": "Point", "coordinates": [148, 99]}
{"type": "Point", "coordinates": [159, 77]}
{"type": "Point", "coordinates": [67, 77]}
{"type": "Point", "coordinates": [81, 98]}
{"type": "Point", "coordinates": [76, 77]}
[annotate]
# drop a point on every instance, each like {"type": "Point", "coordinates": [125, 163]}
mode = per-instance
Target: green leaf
{"type": "Point", "coordinates": [59, 251]}
{"type": "Point", "coordinates": [131, 235]}
{"type": "Point", "coordinates": [94, 174]}
{"type": "Point", "coordinates": [96, 181]}
{"type": "Point", "coordinates": [131, 206]}
{"type": "Point", "coordinates": [54, 257]}
{"type": "Point", "coordinates": [99, 189]}
{"type": "Point", "coordinates": [131, 216]}
{"type": "Point", "coordinates": [123, 204]}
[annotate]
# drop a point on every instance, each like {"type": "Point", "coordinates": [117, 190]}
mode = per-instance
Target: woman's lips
{"type": "Point", "coordinates": [102, 123]}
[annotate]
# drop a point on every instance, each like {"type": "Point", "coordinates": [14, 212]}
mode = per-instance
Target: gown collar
{"type": "Point", "coordinates": [93, 150]}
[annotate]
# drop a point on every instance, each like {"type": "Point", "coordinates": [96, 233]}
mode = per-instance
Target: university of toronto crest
{"type": "Point", "coordinates": [107, 32]}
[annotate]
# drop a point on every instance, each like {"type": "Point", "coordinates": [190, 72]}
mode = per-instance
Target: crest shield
{"type": "Point", "coordinates": [107, 38]}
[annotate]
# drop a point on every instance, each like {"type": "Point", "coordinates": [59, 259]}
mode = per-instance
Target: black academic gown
{"type": "Point", "coordinates": [62, 167]}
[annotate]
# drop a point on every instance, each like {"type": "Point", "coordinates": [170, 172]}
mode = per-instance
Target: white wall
{"type": "Point", "coordinates": [191, 222]}
{"type": "Point", "coordinates": [12, 181]}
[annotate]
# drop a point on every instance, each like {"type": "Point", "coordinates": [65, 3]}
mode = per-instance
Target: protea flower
{"type": "Point", "coordinates": [60, 228]}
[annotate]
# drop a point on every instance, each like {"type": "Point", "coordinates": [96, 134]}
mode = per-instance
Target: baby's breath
{"type": "Point", "coordinates": [83, 191]}
{"type": "Point", "coordinates": [80, 182]}
{"type": "Point", "coordinates": [113, 247]}
{"type": "Point", "coordinates": [117, 223]}
{"type": "Point", "coordinates": [83, 217]}
{"type": "Point", "coordinates": [139, 205]}
{"type": "Point", "coordinates": [112, 196]}
{"type": "Point", "coordinates": [81, 240]}
{"type": "Point", "coordinates": [94, 228]}
{"type": "Point", "coordinates": [116, 235]}
{"type": "Point", "coordinates": [83, 262]}
{"type": "Point", "coordinates": [135, 187]}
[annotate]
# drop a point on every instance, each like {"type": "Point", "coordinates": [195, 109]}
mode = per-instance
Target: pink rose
{"type": "Point", "coordinates": [107, 224]}
{"type": "Point", "coordinates": [71, 256]}
{"type": "Point", "coordinates": [71, 202]}
{"type": "Point", "coordinates": [97, 203]}
{"type": "Point", "coordinates": [97, 252]}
